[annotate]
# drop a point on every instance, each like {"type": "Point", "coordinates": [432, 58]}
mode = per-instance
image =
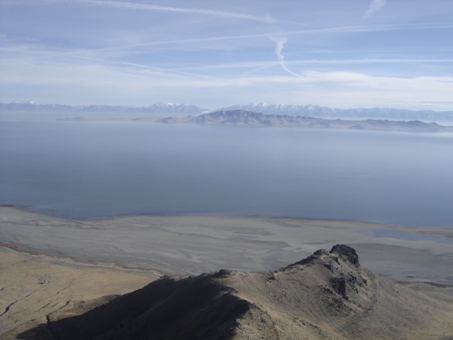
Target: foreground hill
{"type": "Point", "coordinates": [325, 296]}
{"type": "Point", "coordinates": [248, 118]}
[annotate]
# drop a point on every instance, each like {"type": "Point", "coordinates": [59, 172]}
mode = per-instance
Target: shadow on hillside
{"type": "Point", "coordinates": [191, 308]}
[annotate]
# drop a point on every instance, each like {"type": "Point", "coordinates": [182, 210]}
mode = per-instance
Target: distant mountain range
{"type": "Point", "coordinates": [177, 109]}
{"type": "Point", "coordinates": [249, 118]}
{"type": "Point", "coordinates": [160, 108]}
{"type": "Point", "coordinates": [328, 112]}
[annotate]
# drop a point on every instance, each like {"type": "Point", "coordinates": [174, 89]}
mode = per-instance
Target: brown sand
{"type": "Point", "coordinates": [33, 287]}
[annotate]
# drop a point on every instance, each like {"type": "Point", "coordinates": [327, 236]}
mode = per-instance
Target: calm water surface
{"type": "Point", "coordinates": [99, 169]}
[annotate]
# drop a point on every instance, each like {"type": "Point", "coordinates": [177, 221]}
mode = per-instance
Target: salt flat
{"type": "Point", "coordinates": [189, 245]}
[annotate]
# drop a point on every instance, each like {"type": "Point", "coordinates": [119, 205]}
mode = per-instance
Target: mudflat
{"type": "Point", "coordinates": [190, 245]}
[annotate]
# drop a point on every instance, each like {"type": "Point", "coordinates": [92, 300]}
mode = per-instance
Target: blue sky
{"type": "Point", "coordinates": [339, 53]}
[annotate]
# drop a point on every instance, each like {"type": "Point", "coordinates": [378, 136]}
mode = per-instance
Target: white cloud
{"type": "Point", "coordinates": [375, 6]}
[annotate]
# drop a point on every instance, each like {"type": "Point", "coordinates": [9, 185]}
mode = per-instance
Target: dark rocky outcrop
{"type": "Point", "coordinates": [346, 253]}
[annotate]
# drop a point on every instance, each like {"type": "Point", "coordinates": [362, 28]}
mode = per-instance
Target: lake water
{"type": "Point", "coordinates": [98, 169]}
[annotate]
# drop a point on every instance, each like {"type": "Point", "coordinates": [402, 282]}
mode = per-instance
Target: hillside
{"type": "Point", "coordinates": [328, 295]}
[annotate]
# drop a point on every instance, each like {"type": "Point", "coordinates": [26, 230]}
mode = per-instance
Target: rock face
{"type": "Point", "coordinates": [326, 296]}
{"type": "Point", "coordinates": [346, 253]}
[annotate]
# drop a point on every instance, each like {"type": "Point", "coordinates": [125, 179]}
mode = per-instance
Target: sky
{"type": "Point", "coordinates": [337, 53]}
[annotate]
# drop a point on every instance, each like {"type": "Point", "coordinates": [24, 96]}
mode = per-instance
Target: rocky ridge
{"type": "Point", "coordinates": [328, 295]}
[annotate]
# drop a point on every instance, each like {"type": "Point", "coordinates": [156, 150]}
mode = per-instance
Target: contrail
{"type": "Point", "coordinates": [375, 6]}
{"type": "Point", "coordinates": [149, 7]}
{"type": "Point", "coordinates": [279, 44]}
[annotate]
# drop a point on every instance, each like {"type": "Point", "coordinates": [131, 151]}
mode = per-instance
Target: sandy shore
{"type": "Point", "coordinates": [189, 245]}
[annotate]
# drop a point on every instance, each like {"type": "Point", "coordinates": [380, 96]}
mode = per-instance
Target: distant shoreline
{"type": "Point", "coordinates": [98, 218]}
{"type": "Point", "coordinates": [413, 126]}
{"type": "Point", "coordinates": [242, 118]}
{"type": "Point", "coordinates": [181, 109]}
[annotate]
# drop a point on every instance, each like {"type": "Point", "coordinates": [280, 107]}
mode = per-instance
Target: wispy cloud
{"type": "Point", "coordinates": [375, 6]}
{"type": "Point", "coordinates": [279, 44]}
{"type": "Point", "coordinates": [214, 53]}
{"type": "Point", "coordinates": [335, 30]}
{"type": "Point", "coordinates": [100, 82]}
{"type": "Point", "coordinates": [149, 7]}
